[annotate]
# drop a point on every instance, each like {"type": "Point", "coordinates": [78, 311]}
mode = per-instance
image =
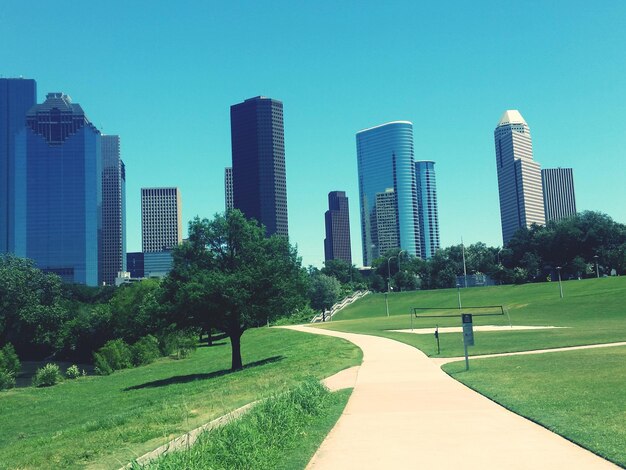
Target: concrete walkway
{"type": "Point", "coordinates": [405, 412]}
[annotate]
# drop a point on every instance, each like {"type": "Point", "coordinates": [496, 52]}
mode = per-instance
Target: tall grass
{"type": "Point", "coordinates": [265, 437]}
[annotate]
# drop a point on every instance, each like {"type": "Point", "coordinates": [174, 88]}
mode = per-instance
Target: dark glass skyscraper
{"type": "Point", "coordinates": [559, 199]}
{"type": "Point", "coordinates": [337, 241]}
{"type": "Point", "coordinates": [17, 96]}
{"type": "Point", "coordinates": [258, 148]}
{"type": "Point", "coordinates": [58, 190]}
{"type": "Point", "coordinates": [113, 210]}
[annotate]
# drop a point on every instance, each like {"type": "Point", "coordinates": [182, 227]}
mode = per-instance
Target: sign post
{"type": "Point", "coordinates": [468, 335]}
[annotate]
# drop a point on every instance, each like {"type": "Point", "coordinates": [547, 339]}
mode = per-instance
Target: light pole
{"type": "Point", "coordinates": [558, 269]}
{"type": "Point", "coordinates": [597, 269]}
{"type": "Point", "coordinates": [386, 303]}
{"type": "Point", "coordinates": [458, 291]}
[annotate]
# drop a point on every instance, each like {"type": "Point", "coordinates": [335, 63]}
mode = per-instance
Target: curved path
{"type": "Point", "coordinates": [405, 412]}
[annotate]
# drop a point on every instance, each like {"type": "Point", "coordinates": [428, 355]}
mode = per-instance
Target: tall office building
{"type": "Point", "coordinates": [161, 227]}
{"type": "Point", "coordinates": [58, 190]}
{"type": "Point", "coordinates": [337, 217]}
{"type": "Point", "coordinates": [427, 207]}
{"type": "Point", "coordinates": [258, 148]}
{"type": "Point", "coordinates": [559, 199]}
{"type": "Point", "coordinates": [387, 229]}
{"type": "Point", "coordinates": [385, 160]}
{"type": "Point", "coordinates": [113, 258]}
{"type": "Point", "coordinates": [17, 96]}
{"type": "Point", "coordinates": [228, 188]}
{"type": "Point", "coordinates": [519, 176]}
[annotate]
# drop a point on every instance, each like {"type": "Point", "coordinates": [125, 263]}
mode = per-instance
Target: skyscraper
{"type": "Point", "coordinates": [228, 188]}
{"type": "Point", "coordinates": [427, 207]}
{"type": "Point", "coordinates": [113, 210]}
{"type": "Point", "coordinates": [17, 96]}
{"type": "Point", "coordinates": [258, 148]}
{"type": "Point", "coordinates": [385, 160]}
{"type": "Point", "coordinates": [161, 227]}
{"type": "Point", "coordinates": [387, 229]}
{"type": "Point", "coordinates": [337, 241]}
{"type": "Point", "coordinates": [558, 193]}
{"type": "Point", "coordinates": [58, 190]}
{"type": "Point", "coordinates": [519, 176]}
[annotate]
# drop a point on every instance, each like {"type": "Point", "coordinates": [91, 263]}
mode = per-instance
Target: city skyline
{"type": "Point", "coordinates": [326, 84]}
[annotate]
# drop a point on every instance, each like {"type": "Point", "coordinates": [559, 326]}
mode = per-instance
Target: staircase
{"type": "Point", "coordinates": [339, 305]}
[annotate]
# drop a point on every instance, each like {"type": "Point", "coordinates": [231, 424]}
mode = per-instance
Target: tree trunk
{"type": "Point", "coordinates": [235, 345]}
{"type": "Point", "coordinates": [210, 337]}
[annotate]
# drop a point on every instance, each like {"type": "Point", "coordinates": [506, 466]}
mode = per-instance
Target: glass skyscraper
{"type": "Point", "coordinates": [259, 176]}
{"type": "Point", "coordinates": [113, 210]}
{"type": "Point", "coordinates": [17, 96]}
{"type": "Point", "coordinates": [58, 190]}
{"type": "Point", "coordinates": [519, 176]}
{"type": "Point", "coordinates": [558, 193]}
{"type": "Point", "coordinates": [427, 207]}
{"type": "Point", "coordinates": [337, 218]}
{"type": "Point", "coordinates": [385, 161]}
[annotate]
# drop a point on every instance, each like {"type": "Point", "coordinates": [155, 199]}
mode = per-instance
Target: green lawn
{"type": "Point", "coordinates": [104, 422]}
{"type": "Point", "coordinates": [578, 394]}
{"type": "Point", "coordinates": [594, 311]}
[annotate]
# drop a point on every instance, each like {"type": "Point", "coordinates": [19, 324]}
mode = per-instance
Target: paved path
{"type": "Point", "coordinates": [405, 412]}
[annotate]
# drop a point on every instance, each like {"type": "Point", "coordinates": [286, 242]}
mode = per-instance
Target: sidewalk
{"type": "Point", "coordinates": [405, 412]}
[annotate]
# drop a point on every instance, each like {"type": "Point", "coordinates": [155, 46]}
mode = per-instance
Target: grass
{"type": "Point", "coordinates": [593, 311]}
{"type": "Point", "coordinates": [577, 394]}
{"type": "Point", "coordinates": [282, 432]}
{"type": "Point", "coordinates": [105, 422]}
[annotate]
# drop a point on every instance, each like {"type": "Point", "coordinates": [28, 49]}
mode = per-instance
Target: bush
{"type": "Point", "coordinates": [114, 355]}
{"type": "Point", "coordinates": [72, 372]}
{"type": "Point", "coordinates": [7, 379]}
{"type": "Point", "coordinates": [9, 360]}
{"type": "Point", "coordinates": [48, 375]}
{"type": "Point", "coordinates": [145, 351]}
{"type": "Point", "coordinates": [179, 344]}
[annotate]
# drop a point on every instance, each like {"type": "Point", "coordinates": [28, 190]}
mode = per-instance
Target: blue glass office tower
{"type": "Point", "coordinates": [259, 176]}
{"type": "Point", "coordinates": [59, 190]}
{"type": "Point", "coordinates": [427, 207]}
{"type": "Point", "coordinates": [17, 96]}
{"type": "Point", "coordinates": [385, 161]}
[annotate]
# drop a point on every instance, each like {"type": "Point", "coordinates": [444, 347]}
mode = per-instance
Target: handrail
{"type": "Point", "coordinates": [328, 314]}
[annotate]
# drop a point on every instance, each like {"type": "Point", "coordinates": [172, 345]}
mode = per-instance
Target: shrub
{"type": "Point", "coordinates": [114, 355]}
{"type": "Point", "coordinates": [7, 379]}
{"type": "Point", "coordinates": [146, 350]}
{"type": "Point", "coordinates": [72, 372]}
{"type": "Point", "coordinates": [179, 344]}
{"type": "Point", "coordinates": [48, 375]}
{"type": "Point", "coordinates": [9, 360]}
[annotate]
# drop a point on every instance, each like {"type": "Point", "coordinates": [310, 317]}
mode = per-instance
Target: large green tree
{"type": "Point", "coordinates": [231, 277]}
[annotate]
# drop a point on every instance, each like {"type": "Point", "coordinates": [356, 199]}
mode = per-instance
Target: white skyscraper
{"type": "Point", "coordinates": [161, 227]}
{"type": "Point", "coordinates": [519, 176]}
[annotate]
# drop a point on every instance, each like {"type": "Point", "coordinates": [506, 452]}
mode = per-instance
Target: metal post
{"type": "Point", "coordinates": [386, 304]}
{"type": "Point", "coordinates": [597, 270]}
{"type": "Point", "coordinates": [466, 356]}
{"type": "Point", "coordinates": [464, 267]}
{"type": "Point", "coordinates": [458, 291]}
{"type": "Point", "coordinates": [558, 268]}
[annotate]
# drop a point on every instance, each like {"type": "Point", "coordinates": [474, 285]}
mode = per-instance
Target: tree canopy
{"type": "Point", "coordinates": [230, 276]}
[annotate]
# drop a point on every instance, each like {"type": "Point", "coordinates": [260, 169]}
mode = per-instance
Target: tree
{"type": "Point", "coordinates": [229, 276]}
{"type": "Point", "coordinates": [324, 291]}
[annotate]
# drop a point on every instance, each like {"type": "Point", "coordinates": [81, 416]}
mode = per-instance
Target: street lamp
{"type": "Point", "coordinates": [458, 291]}
{"type": "Point", "coordinates": [558, 268]}
{"type": "Point", "coordinates": [597, 270]}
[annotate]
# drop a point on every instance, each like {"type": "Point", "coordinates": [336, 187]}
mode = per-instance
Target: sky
{"type": "Point", "coordinates": [163, 76]}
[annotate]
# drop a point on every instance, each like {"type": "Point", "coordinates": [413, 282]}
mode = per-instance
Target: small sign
{"type": "Point", "coordinates": [468, 332]}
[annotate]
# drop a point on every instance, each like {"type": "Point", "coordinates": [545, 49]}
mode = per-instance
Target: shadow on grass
{"type": "Point", "coordinates": [181, 379]}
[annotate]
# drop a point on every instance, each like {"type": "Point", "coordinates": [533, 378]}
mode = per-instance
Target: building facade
{"type": "Point", "coordinates": [113, 258]}
{"type": "Point", "coordinates": [161, 227]}
{"type": "Point", "coordinates": [58, 191]}
{"type": "Point", "coordinates": [17, 96]}
{"type": "Point", "coordinates": [519, 176]}
{"type": "Point", "coordinates": [387, 229]}
{"type": "Point", "coordinates": [337, 217]}
{"type": "Point", "coordinates": [427, 207]}
{"type": "Point", "coordinates": [559, 199]}
{"type": "Point", "coordinates": [258, 152]}
{"type": "Point", "coordinates": [135, 264]}
{"type": "Point", "coordinates": [385, 160]}
{"type": "Point", "coordinates": [228, 188]}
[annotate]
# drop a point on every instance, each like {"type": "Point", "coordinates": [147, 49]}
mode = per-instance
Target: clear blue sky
{"type": "Point", "coordinates": [163, 75]}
